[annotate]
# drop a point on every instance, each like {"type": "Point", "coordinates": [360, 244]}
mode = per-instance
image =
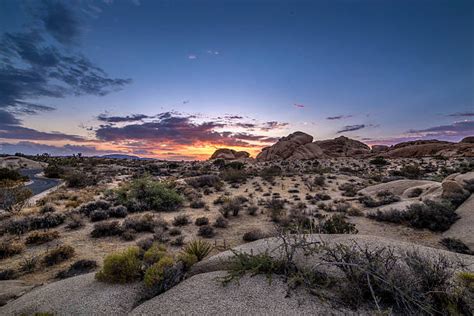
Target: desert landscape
{"type": "Point", "coordinates": [190, 224]}
{"type": "Point", "coordinates": [236, 157]}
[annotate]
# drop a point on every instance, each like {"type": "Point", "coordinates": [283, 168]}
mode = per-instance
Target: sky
{"type": "Point", "coordinates": [174, 79]}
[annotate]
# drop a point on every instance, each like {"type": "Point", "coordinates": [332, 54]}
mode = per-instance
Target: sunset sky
{"type": "Point", "coordinates": [175, 79]}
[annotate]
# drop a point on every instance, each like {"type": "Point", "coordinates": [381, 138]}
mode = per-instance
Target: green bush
{"type": "Point", "coordinates": [337, 224]}
{"type": "Point", "coordinates": [121, 267]}
{"type": "Point", "coordinates": [151, 194]}
{"type": "Point", "coordinates": [11, 175]}
{"type": "Point", "coordinates": [154, 253]}
{"type": "Point", "coordinates": [155, 274]}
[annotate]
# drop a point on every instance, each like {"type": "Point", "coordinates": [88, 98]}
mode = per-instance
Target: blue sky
{"type": "Point", "coordinates": [384, 71]}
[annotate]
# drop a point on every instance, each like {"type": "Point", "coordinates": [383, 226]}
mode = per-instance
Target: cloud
{"type": "Point", "coordinates": [32, 67]}
{"type": "Point", "coordinates": [338, 117]}
{"type": "Point", "coordinates": [31, 148]}
{"type": "Point", "coordinates": [462, 114]}
{"type": "Point", "coordinates": [60, 21]}
{"type": "Point", "coordinates": [351, 128]}
{"type": "Point", "coordinates": [7, 118]}
{"type": "Point", "coordinates": [267, 126]}
{"type": "Point", "coordinates": [192, 57]}
{"type": "Point", "coordinates": [213, 52]}
{"type": "Point", "coordinates": [120, 119]}
{"type": "Point", "coordinates": [461, 128]}
{"type": "Point", "coordinates": [299, 105]}
{"type": "Point", "coordinates": [174, 130]}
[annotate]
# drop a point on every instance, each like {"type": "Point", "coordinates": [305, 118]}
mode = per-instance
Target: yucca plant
{"type": "Point", "coordinates": [199, 248]}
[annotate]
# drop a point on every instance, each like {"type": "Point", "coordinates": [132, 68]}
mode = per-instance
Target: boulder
{"type": "Point", "coordinates": [463, 228]}
{"type": "Point", "coordinates": [285, 147]}
{"type": "Point", "coordinates": [468, 140]}
{"type": "Point", "coordinates": [307, 151]}
{"type": "Point", "coordinates": [11, 289]}
{"type": "Point", "coordinates": [229, 154]}
{"type": "Point", "coordinates": [429, 148]}
{"type": "Point", "coordinates": [399, 187]}
{"type": "Point", "coordinates": [343, 147]}
{"type": "Point", "coordinates": [204, 294]}
{"type": "Point", "coordinates": [81, 295]}
{"type": "Point", "coordinates": [379, 148]}
{"type": "Point", "coordinates": [452, 188]}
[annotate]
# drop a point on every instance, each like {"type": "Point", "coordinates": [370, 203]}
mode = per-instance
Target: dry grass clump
{"type": "Point", "coordinates": [58, 255]}
{"type": "Point", "coordinates": [37, 238]}
{"type": "Point", "coordinates": [106, 229]}
{"type": "Point", "coordinates": [8, 249]}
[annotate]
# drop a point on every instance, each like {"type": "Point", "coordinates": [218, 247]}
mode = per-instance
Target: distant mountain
{"type": "Point", "coordinates": [120, 156]}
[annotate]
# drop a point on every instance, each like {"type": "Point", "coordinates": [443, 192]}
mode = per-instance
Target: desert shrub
{"type": "Point", "coordinates": [181, 220]}
{"type": "Point", "coordinates": [205, 181]}
{"type": "Point", "coordinates": [58, 255]}
{"type": "Point", "coordinates": [412, 171]}
{"type": "Point", "coordinates": [29, 264]}
{"type": "Point", "coordinates": [253, 235]}
{"type": "Point", "coordinates": [188, 259]}
{"type": "Point", "coordinates": [252, 210]}
{"type": "Point", "coordinates": [88, 208]}
{"type": "Point", "coordinates": [379, 161]}
{"type": "Point", "coordinates": [105, 229]}
{"type": "Point", "coordinates": [383, 198]}
{"type": "Point", "coordinates": [77, 268]}
{"type": "Point", "coordinates": [175, 232]}
{"type": "Point", "coordinates": [348, 189]}
{"type": "Point", "coordinates": [140, 223]}
{"type": "Point", "coordinates": [49, 220]}
{"type": "Point", "coordinates": [435, 216]}
{"type": "Point", "coordinates": [155, 273]}
{"type": "Point", "coordinates": [378, 277]}
{"type": "Point", "coordinates": [53, 171]}
{"type": "Point", "coordinates": [14, 198]}
{"type": "Point", "coordinates": [8, 249]}
{"type": "Point", "coordinates": [234, 175]}
{"type": "Point", "coordinates": [221, 222]}
{"type": "Point", "coordinates": [47, 208]}
{"type": "Point", "coordinates": [206, 231]}
{"type": "Point", "coordinates": [98, 215]}
{"type": "Point", "coordinates": [269, 173]}
{"type": "Point", "coordinates": [74, 221]}
{"type": "Point", "coordinates": [198, 248]}
{"type": "Point", "coordinates": [200, 221]}
{"type": "Point", "coordinates": [197, 204]}
{"type": "Point", "coordinates": [336, 224]}
{"type": "Point", "coordinates": [322, 197]}
{"type": "Point", "coordinates": [154, 253]}
{"type": "Point", "coordinates": [118, 211]}
{"type": "Point", "coordinates": [79, 180]}
{"type": "Point", "coordinates": [276, 208]}
{"type": "Point", "coordinates": [37, 238]}
{"type": "Point", "coordinates": [231, 206]}
{"type": "Point", "coordinates": [8, 274]}
{"type": "Point", "coordinates": [178, 241]}
{"type": "Point", "coordinates": [128, 235]}
{"type": "Point", "coordinates": [121, 267]}
{"type": "Point", "coordinates": [456, 245]}
{"type": "Point", "coordinates": [469, 185]}
{"type": "Point", "coordinates": [7, 174]}
{"type": "Point", "coordinates": [456, 199]}
{"type": "Point", "coordinates": [153, 195]}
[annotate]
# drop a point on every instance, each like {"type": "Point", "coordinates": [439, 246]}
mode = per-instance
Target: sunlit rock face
{"type": "Point", "coordinates": [229, 154]}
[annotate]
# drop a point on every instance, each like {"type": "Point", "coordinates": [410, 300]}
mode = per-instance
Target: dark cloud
{"type": "Point", "coordinates": [461, 128]}
{"type": "Point", "coordinates": [31, 148]}
{"type": "Point", "coordinates": [351, 128]}
{"type": "Point", "coordinates": [7, 118]}
{"type": "Point", "coordinates": [338, 117]}
{"type": "Point", "coordinates": [267, 126]}
{"type": "Point", "coordinates": [171, 129]}
{"type": "Point", "coordinates": [32, 67]}
{"type": "Point", "coordinates": [60, 21]}
{"type": "Point", "coordinates": [121, 119]}
{"type": "Point", "coordinates": [462, 114]}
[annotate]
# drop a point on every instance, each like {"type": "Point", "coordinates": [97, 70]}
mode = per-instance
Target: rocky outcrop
{"type": "Point", "coordinates": [468, 140]}
{"type": "Point", "coordinates": [430, 148]}
{"type": "Point", "coordinates": [229, 154]}
{"type": "Point", "coordinates": [463, 228]}
{"type": "Point", "coordinates": [343, 147]}
{"type": "Point", "coordinates": [297, 145]}
{"type": "Point", "coordinates": [379, 149]}
{"type": "Point", "coordinates": [11, 289]}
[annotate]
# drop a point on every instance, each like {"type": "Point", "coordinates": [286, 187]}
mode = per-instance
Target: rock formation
{"type": "Point", "coordinates": [229, 154]}
{"type": "Point", "coordinates": [297, 145]}
{"type": "Point", "coordinates": [343, 147]}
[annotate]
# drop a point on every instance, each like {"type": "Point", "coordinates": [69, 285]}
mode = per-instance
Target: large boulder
{"type": "Point", "coordinates": [452, 188]}
{"type": "Point", "coordinates": [463, 228]}
{"type": "Point", "coordinates": [204, 294]}
{"type": "Point", "coordinates": [401, 187]}
{"type": "Point", "coordinates": [11, 289]}
{"type": "Point", "coordinates": [379, 149]}
{"type": "Point", "coordinates": [429, 148]}
{"type": "Point", "coordinates": [286, 147]}
{"type": "Point", "coordinates": [343, 147]}
{"type": "Point", "coordinates": [81, 295]}
{"type": "Point", "coordinates": [468, 140]}
{"type": "Point", "coordinates": [307, 151]}
{"type": "Point", "coordinates": [229, 154]}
